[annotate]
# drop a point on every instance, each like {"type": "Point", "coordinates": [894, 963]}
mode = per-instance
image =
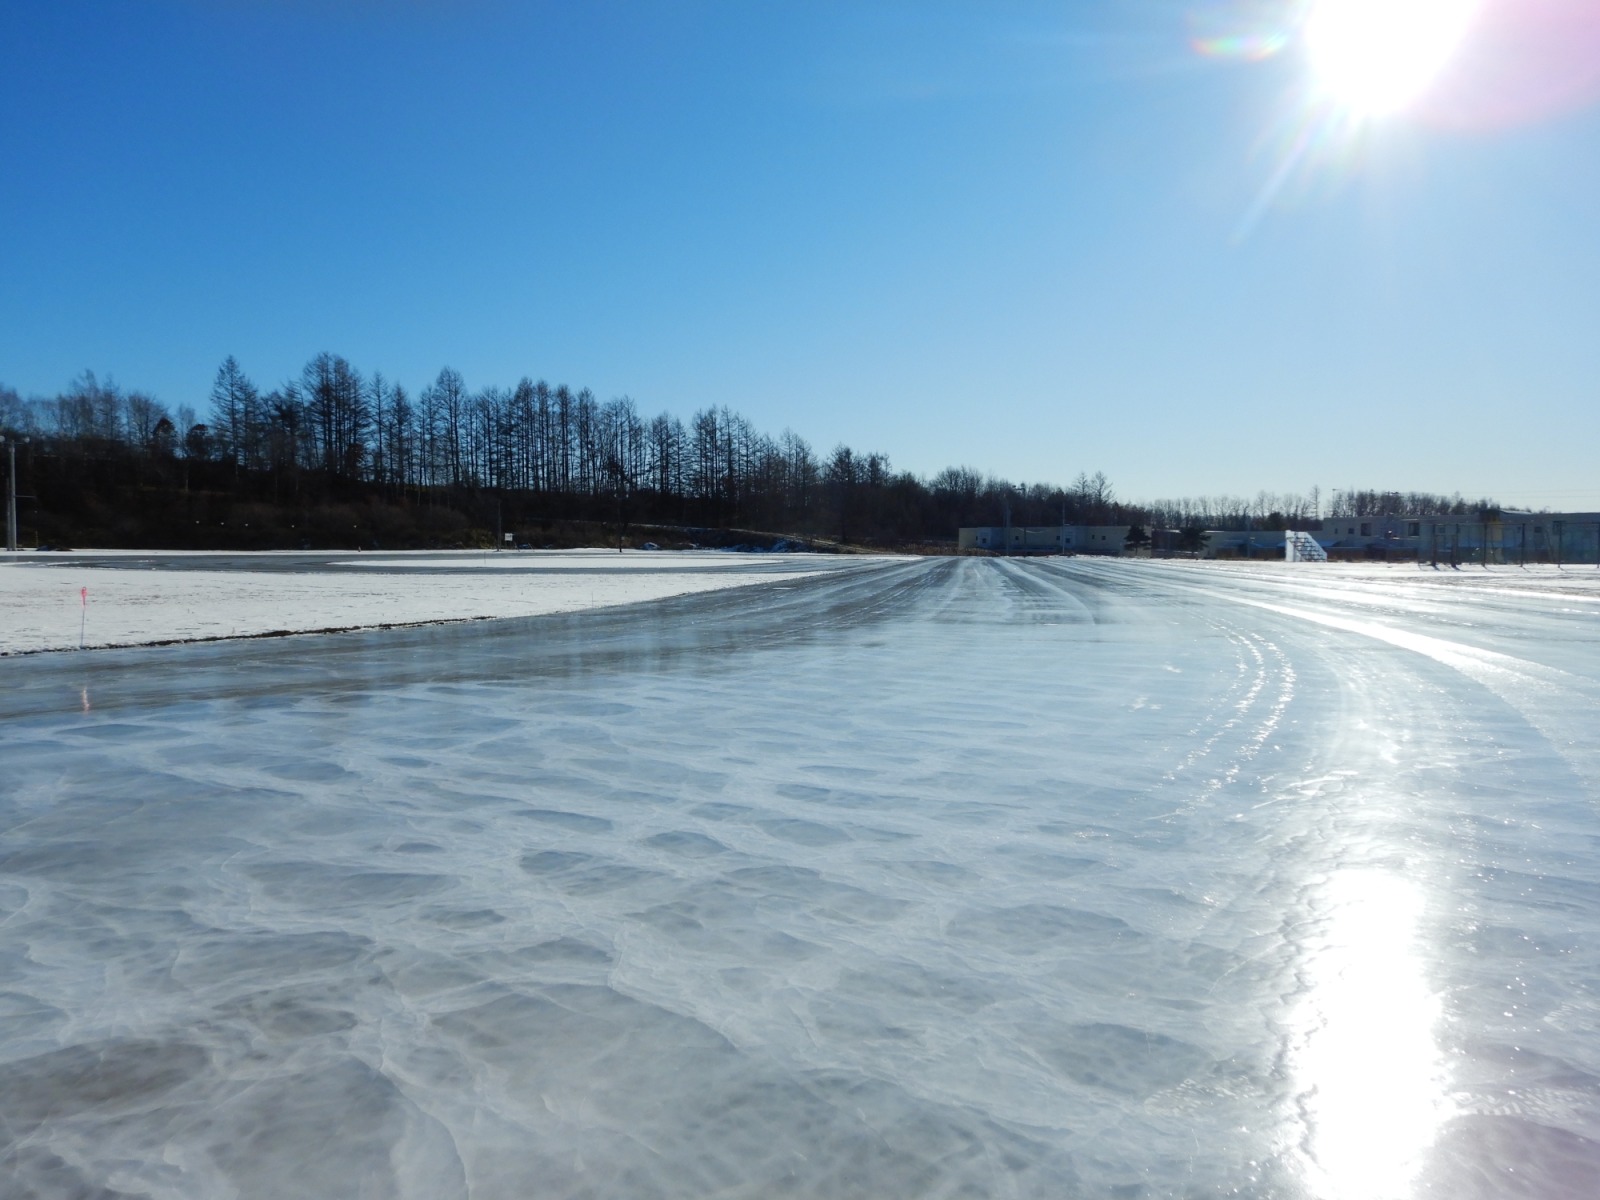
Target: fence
{"type": "Point", "coordinates": [1549, 540]}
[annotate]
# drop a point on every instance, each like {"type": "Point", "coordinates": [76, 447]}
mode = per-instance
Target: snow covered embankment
{"type": "Point", "coordinates": [42, 605]}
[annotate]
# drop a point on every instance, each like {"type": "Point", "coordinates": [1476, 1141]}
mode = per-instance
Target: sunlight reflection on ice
{"type": "Point", "coordinates": [1366, 1066]}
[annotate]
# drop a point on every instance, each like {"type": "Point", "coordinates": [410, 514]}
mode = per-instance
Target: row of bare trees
{"type": "Point", "coordinates": [572, 454]}
{"type": "Point", "coordinates": [96, 415]}
{"type": "Point", "coordinates": [557, 442]}
{"type": "Point", "coordinates": [332, 431]}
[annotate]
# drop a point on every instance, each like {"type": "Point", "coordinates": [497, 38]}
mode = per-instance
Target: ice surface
{"type": "Point", "coordinates": [924, 878]}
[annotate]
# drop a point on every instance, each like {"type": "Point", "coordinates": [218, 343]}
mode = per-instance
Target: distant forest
{"type": "Point", "coordinates": [336, 457]}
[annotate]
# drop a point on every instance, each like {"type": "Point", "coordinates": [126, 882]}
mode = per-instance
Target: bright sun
{"type": "Point", "coordinates": [1375, 57]}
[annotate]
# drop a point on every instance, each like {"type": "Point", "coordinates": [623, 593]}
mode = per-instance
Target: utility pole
{"type": "Point", "coordinates": [11, 496]}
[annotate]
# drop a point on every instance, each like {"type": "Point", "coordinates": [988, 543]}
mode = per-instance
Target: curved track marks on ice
{"type": "Point", "coordinates": [1559, 701]}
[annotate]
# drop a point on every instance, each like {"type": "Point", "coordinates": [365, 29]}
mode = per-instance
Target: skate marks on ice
{"type": "Point", "coordinates": [1452, 957]}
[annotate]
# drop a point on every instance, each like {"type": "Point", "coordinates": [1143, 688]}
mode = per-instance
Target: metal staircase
{"type": "Point", "coordinates": [1299, 546]}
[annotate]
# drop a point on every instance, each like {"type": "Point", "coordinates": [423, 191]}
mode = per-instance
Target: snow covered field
{"type": "Point", "coordinates": [914, 878]}
{"type": "Point", "coordinates": [140, 598]}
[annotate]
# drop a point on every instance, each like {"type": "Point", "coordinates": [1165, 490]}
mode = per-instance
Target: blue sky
{"type": "Point", "coordinates": [1030, 238]}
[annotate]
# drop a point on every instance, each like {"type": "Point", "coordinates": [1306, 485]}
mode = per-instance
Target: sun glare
{"type": "Point", "coordinates": [1369, 1070]}
{"type": "Point", "coordinates": [1375, 57]}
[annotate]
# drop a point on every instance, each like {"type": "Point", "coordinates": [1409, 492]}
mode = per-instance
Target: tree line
{"type": "Point", "coordinates": [1295, 510]}
{"type": "Point", "coordinates": [334, 433]}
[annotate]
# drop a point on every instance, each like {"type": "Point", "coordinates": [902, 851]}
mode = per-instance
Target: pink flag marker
{"type": "Point", "coordinates": [83, 616]}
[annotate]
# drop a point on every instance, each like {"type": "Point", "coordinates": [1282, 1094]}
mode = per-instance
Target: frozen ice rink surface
{"type": "Point", "coordinates": [920, 878]}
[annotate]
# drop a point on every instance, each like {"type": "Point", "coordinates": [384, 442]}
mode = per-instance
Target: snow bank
{"type": "Point", "coordinates": [41, 604]}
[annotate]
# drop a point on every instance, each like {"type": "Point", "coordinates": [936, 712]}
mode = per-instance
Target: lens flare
{"type": "Point", "coordinates": [1525, 61]}
{"type": "Point", "coordinates": [1377, 57]}
{"type": "Point", "coordinates": [1240, 30]}
{"type": "Point", "coordinates": [1242, 47]}
{"type": "Point", "coordinates": [1370, 66]}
